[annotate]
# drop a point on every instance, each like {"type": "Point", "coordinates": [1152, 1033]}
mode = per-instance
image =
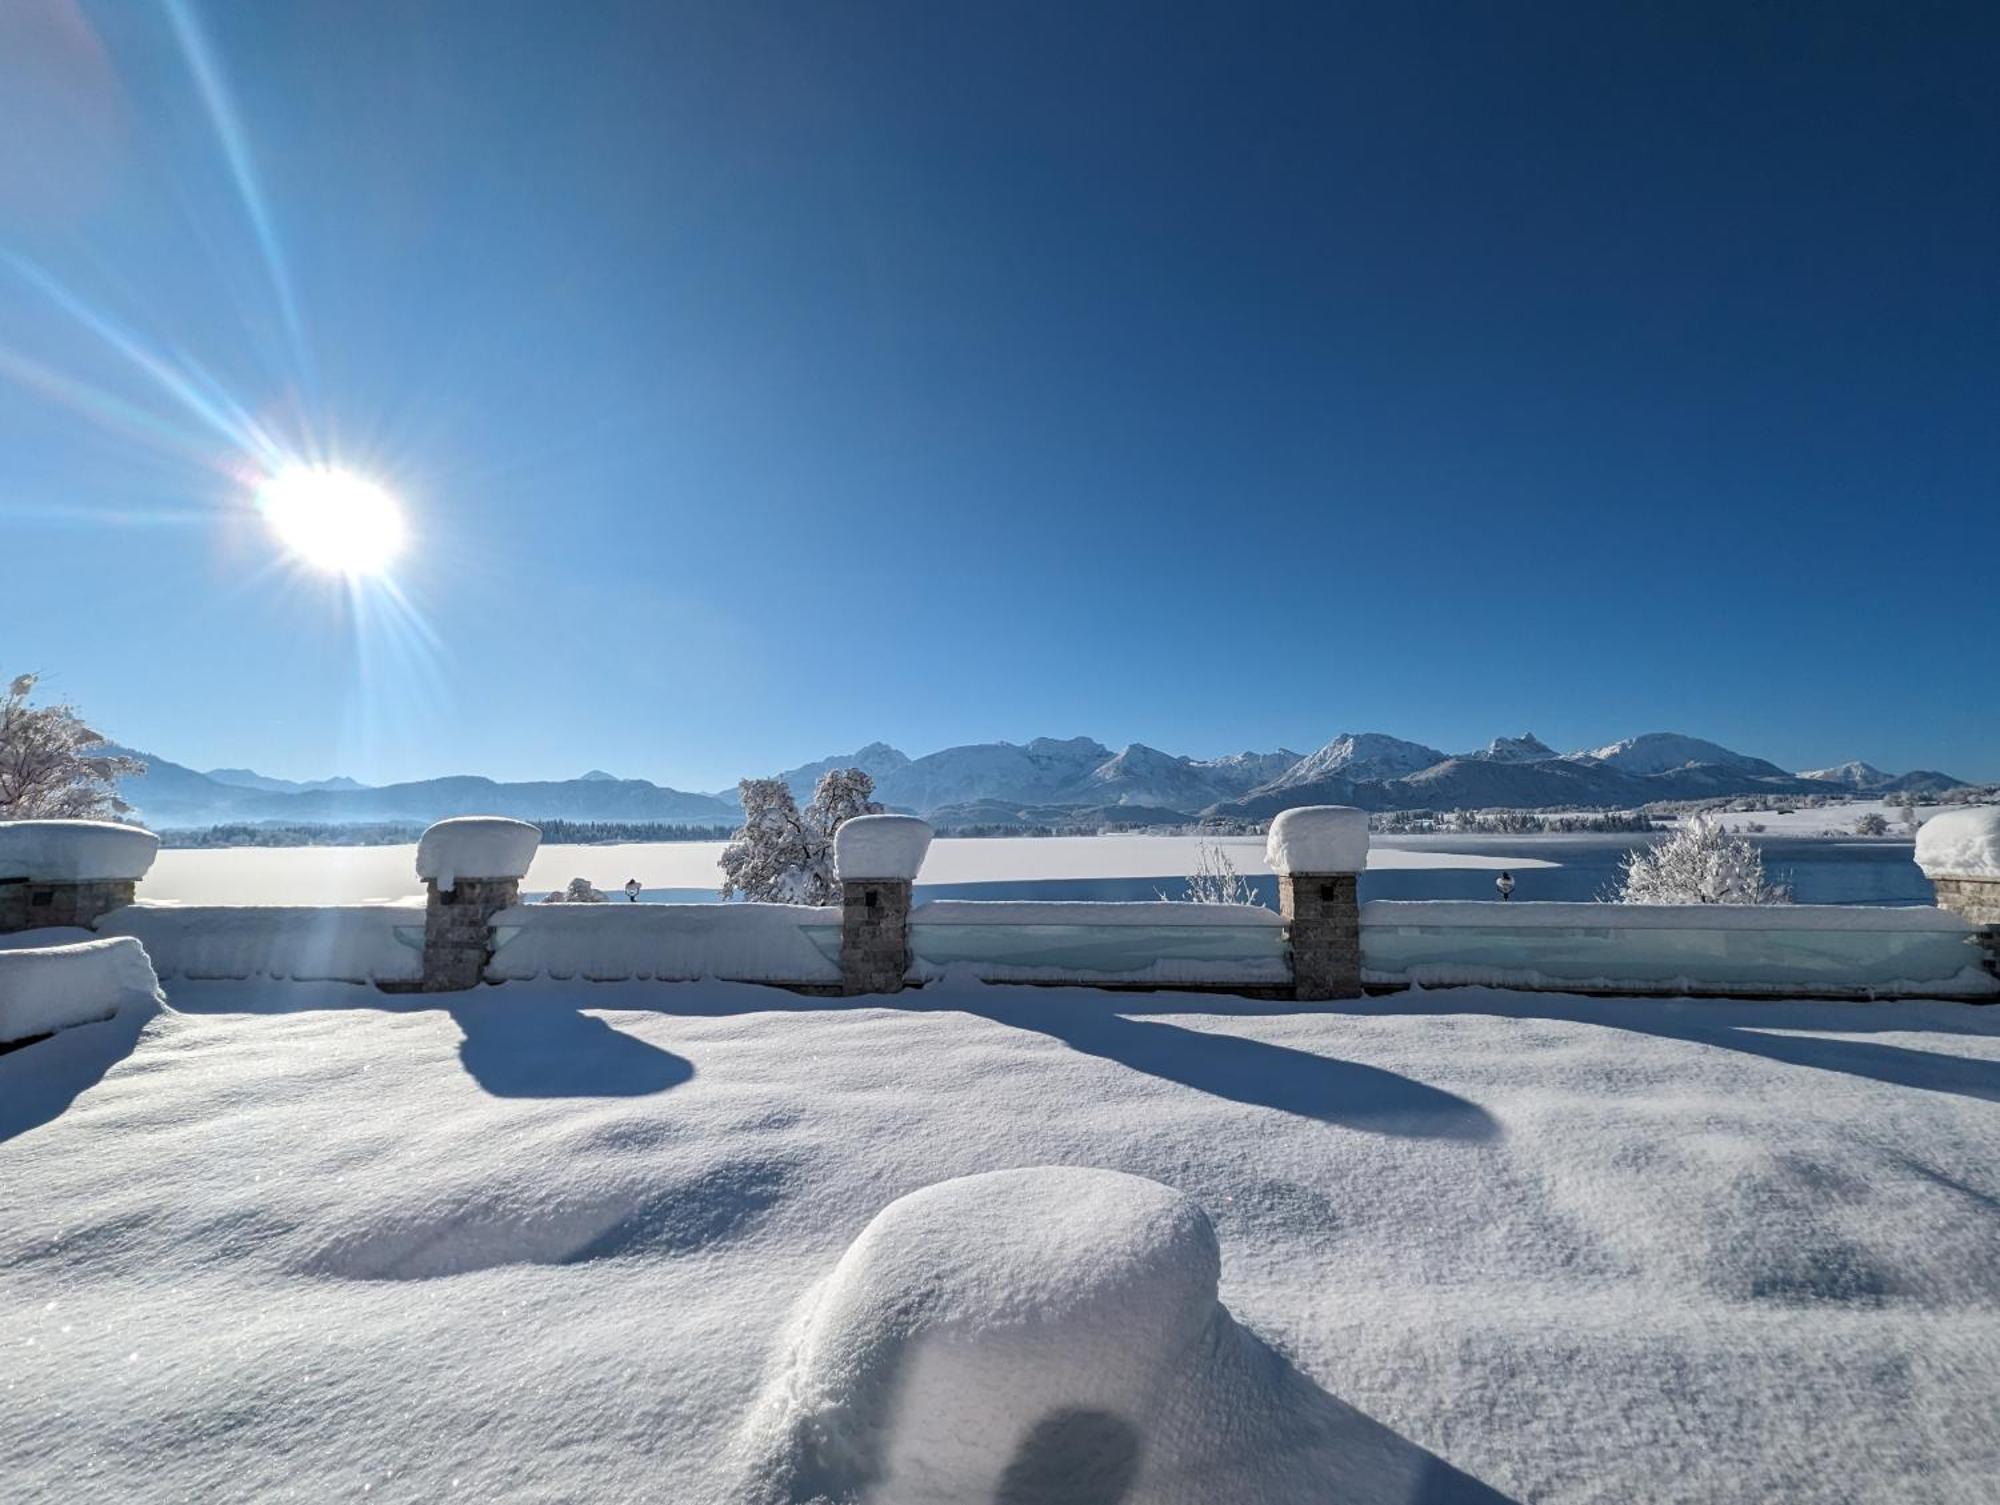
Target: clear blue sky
{"type": "Point", "coordinates": [766, 379]}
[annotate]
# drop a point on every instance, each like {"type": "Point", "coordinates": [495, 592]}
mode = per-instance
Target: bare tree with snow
{"type": "Point", "coordinates": [51, 764]}
{"type": "Point", "coordinates": [1873, 823]}
{"type": "Point", "coordinates": [1701, 863]}
{"type": "Point", "coordinates": [784, 855]}
{"type": "Point", "coordinates": [1215, 879]}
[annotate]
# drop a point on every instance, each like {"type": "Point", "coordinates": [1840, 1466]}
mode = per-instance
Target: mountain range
{"type": "Point", "coordinates": [1073, 780]}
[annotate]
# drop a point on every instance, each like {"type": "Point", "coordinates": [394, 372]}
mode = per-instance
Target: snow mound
{"type": "Point", "coordinates": [75, 851]}
{"type": "Point", "coordinates": [47, 988]}
{"type": "Point", "coordinates": [1961, 843]}
{"type": "Point", "coordinates": [881, 846]}
{"type": "Point", "coordinates": [1042, 1334]}
{"type": "Point", "coordinates": [476, 846]}
{"type": "Point", "coordinates": [1319, 839]}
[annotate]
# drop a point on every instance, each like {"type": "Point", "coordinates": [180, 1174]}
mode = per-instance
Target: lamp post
{"type": "Point", "coordinates": [632, 890]}
{"type": "Point", "coordinates": [1505, 883]}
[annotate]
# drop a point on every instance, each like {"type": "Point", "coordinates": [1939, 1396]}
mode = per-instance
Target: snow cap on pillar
{"type": "Point", "coordinates": [1318, 839]}
{"type": "Point", "coordinates": [1961, 843]}
{"type": "Point", "coordinates": [476, 846]}
{"type": "Point", "coordinates": [880, 847]}
{"type": "Point", "coordinates": [75, 851]}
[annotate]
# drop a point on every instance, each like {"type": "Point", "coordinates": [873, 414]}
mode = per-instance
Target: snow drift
{"type": "Point", "coordinates": [476, 846]}
{"type": "Point", "coordinates": [1961, 843]}
{"type": "Point", "coordinates": [47, 988]}
{"type": "Point", "coordinates": [75, 851]}
{"type": "Point", "coordinates": [1044, 1334]}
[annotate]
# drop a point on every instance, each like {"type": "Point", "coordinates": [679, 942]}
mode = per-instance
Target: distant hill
{"type": "Point", "coordinates": [170, 794]}
{"type": "Point", "coordinates": [1065, 782]}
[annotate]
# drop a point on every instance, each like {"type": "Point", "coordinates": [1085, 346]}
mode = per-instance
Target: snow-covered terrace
{"type": "Point", "coordinates": [556, 1242]}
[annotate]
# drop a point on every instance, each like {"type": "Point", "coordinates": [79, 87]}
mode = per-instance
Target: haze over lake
{"type": "Point", "coordinates": [1820, 871]}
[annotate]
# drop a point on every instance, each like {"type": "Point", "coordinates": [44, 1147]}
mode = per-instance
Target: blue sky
{"type": "Point", "coordinates": [761, 380]}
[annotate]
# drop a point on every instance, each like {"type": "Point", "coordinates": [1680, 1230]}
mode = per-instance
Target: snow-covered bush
{"type": "Point", "coordinates": [578, 892]}
{"type": "Point", "coordinates": [1215, 879]}
{"type": "Point", "coordinates": [1871, 824]}
{"type": "Point", "coordinates": [1701, 863]}
{"type": "Point", "coordinates": [51, 764]}
{"type": "Point", "coordinates": [783, 854]}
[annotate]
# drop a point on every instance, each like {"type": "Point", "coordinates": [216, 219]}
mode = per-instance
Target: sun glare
{"type": "Point", "coordinates": [333, 520]}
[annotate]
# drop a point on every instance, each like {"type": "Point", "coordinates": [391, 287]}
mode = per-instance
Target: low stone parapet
{"type": "Point", "coordinates": [62, 873]}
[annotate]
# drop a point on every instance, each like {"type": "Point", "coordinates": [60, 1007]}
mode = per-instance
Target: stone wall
{"type": "Point", "coordinates": [1978, 900]}
{"type": "Point", "coordinates": [458, 931]}
{"type": "Point", "coordinates": [37, 904]}
{"type": "Point", "coordinates": [874, 935]}
{"type": "Point", "coordinates": [1322, 914]}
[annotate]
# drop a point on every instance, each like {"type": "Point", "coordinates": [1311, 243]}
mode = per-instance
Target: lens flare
{"type": "Point", "coordinates": [333, 520]}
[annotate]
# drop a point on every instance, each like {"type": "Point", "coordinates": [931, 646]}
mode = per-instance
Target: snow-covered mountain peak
{"type": "Point", "coordinates": [1526, 748]}
{"type": "Point", "coordinates": [1361, 755]}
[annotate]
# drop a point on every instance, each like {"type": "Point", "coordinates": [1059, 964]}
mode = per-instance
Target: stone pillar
{"type": "Point", "coordinates": [1318, 852]}
{"type": "Point", "coordinates": [472, 866]}
{"type": "Point", "coordinates": [1959, 851]}
{"type": "Point", "coordinates": [877, 858]}
{"type": "Point", "coordinates": [69, 872]}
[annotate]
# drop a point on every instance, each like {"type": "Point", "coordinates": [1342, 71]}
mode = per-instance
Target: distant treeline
{"type": "Point", "coordinates": [1509, 822]}
{"type": "Point", "coordinates": [397, 833]}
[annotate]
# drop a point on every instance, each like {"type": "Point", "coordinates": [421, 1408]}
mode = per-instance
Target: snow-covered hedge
{"type": "Point", "coordinates": [1725, 948]}
{"type": "Point", "coordinates": [1961, 843]}
{"type": "Point", "coordinates": [476, 846]}
{"type": "Point", "coordinates": [328, 943]}
{"type": "Point", "coordinates": [47, 988]}
{"type": "Point", "coordinates": [1147, 942]}
{"type": "Point", "coordinates": [668, 942]}
{"type": "Point", "coordinates": [1318, 839]}
{"type": "Point", "coordinates": [880, 846]}
{"type": "Point", "coordinates": [75, 851]}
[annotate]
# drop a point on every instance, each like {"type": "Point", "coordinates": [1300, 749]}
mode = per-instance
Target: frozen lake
{"type": "Point", "coordinates": [1821, 871]}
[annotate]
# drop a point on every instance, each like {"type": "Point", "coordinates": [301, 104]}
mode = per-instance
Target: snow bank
{"type": "Point", "coordinates": [1961, 843]}
{"type": "Point", "coordinates": [331, 943]}
{"type": "Point", "coordinates": [75, 851]}
{"type": "Point", "coordinates": [476, 846]}
{"type": "Point", "coordinates": [667, 942]}
{"type": "Point", "coordinates": [1484, 914]}
{"type": "Point", "coordinates": [47, 988]}
{"type": "Point", "coordinates": [1041, 1334]}
{"type": "Point", "coordinates": [549, 1243]}
{"type": "Point", "coordinates": [1147, 942]}
{"type": "Point", "coordinates": [1318, 839]}
{"type": "Point", "coordinates": [881, 846]}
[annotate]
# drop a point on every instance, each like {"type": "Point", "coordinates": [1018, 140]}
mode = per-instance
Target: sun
{"type": "Point", "coordinates": [333, 520]}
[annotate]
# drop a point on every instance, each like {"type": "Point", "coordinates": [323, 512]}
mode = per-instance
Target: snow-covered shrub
{"type": "Point", "coordinates": [783, 854]}
{"type": "Point", "coordinates": [51, 764]}
{"type": "Point", "coordinates": [578, 892]}
{"type": "Point", "coordinates": [1215, 879]}
{"type": "Point", "coordinates": [1701, 863]}
{"type": "Point", "coordinates": [1871, 824]}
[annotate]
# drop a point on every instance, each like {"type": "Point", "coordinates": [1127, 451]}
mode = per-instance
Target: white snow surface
{"type": "Point", "coordinates": [75, 851]}
{"type": "Point", "coordinates": [330, 943]}
{"type": "Point", "coordinates": [558, 1242]}
{"type": "Point", "coordinates": [1318, 839]}
{"type": "Point", "coordinates": [47, 988]}
{"type": "Point", "coordinates": [881, 846]}
{"type": "Point", "coordinates": [476, 846]}
{"type": "Point", "coordinates": [668, 942]}
{"type": "Point", "coordinates": [1961, 843]}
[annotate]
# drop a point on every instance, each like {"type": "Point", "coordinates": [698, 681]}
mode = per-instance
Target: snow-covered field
{"type": "Point", "coordinates": [352, 875]}
{"type": "Point", "coordinates": [551, 1242]}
